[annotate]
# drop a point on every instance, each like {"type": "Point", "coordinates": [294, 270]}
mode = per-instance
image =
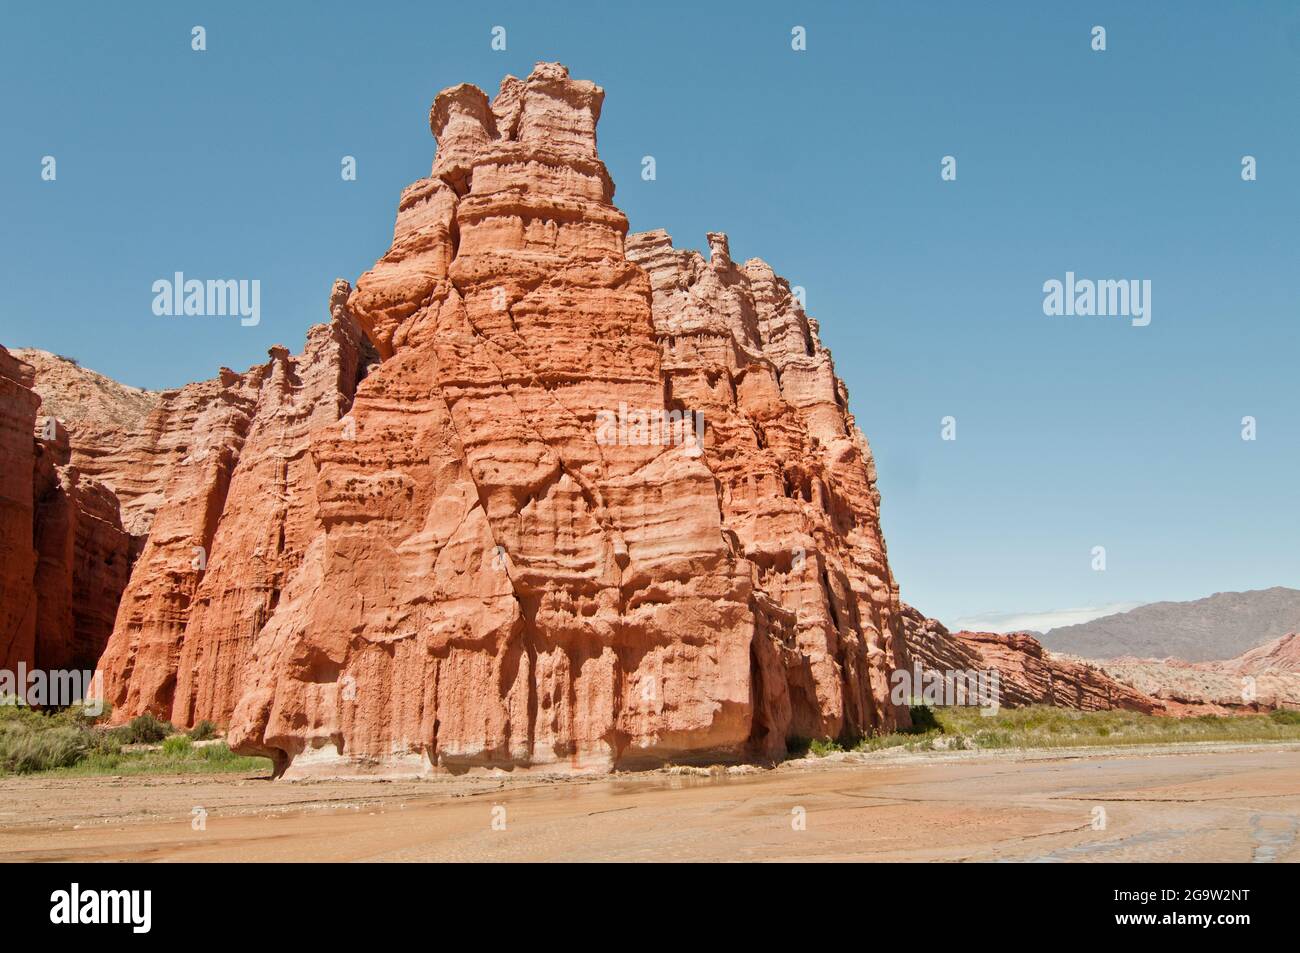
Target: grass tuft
{"type": "Point", "coordinates": [177, 745]}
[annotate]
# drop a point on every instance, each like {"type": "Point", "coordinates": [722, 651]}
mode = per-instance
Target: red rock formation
{"type": "Point", "coordinates": [930, 645]}
{"type": "Point", "coordinates": [795, 475]}
{"type": "Point", "coordinates": [1027, 675]}
{"type": "Point", "coordinates": [1031, 676]}
{"type": "Point", "coordinates": [1278, 655]}
{"type": "Point", "coordinates": [112, 430]}
{"type": "Point", "coordinates": [541, 494]}
{"type": "Point", "coordinates": [471, 568]}
{"type": "Point", "coordinates": [1262, 678]}
{"type": "Point", "coordinates": [18, 404]}
{"type": "Point", "coordinates": [238, 511]}
{"type": "Point", "coordinates": [64, 555]}
{"type": "Point", "coordinates": [84, 560]}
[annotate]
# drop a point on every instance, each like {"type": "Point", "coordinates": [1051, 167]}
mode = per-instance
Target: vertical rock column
{"type": "Point", "coordinates": [495, 586]}
{"type": "Point", "coordinates": [18, 405]}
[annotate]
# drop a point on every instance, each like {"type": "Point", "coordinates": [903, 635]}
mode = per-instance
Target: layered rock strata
{"type": "Point", "coordinates": [237, 512]}
{"type": "Point", "coordinates": [64, 554]}
{"type": "Point", "coordinates": [84, 558]}
{"type": "Point", "coordinates": [1026, 674]}
{"type": "Point", "coordinates": [540, 494]}
{"type": "Point", "coordinates": [18, 405]}
{"type": "Point", "coordinates": [116, 433]}
{"type": "Point", "coordinates": [1265, 677]}
{"type": "Point", "coordinates": [463, 564]}
{"type": "Point", "coordinates": [796, 479]}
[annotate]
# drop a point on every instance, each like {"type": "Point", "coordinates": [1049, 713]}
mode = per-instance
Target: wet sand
{"type": "Point", "coordinates": [1179, 803]}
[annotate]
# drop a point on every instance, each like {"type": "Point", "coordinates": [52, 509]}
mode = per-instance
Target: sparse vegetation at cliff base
{"type": "Point", "coordinates": [1041, 726]}
{"type": "Point", "coordinates": [74, 741]}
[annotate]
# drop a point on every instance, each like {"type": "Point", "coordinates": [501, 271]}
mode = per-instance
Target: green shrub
{"type": "Point", "coordinates": [822, 748]}
{"type": "Point", "coordinates": [79, 714]}
{"type": "Point", "coordinates": [923, 719]}
{"type": "Point", "coordinates": [177, 745]}
{"type": "Point", "coordinates": [902, 739]}
{"type": "Point", "coordinates": [142, 730]}
{"type": "Point", "coordinates": [203, 731]}
{"type": "Point", "coordinates": [992, 739]}
{"type": "Point", "coordinates": [1285, 716]}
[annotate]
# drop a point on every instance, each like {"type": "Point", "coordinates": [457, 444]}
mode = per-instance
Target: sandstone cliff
{"type": "Point", "coordinates": [64, 554]}
{"type": "Point", "coordinates": [125, 437]}
{"type": "Point", "coordinates": [453, 566]}
{"type": "Point", "coordinates": [84, 557]}
{"type": "Point", "coordinates": [236, 512]}
{"type": "Point", "coordinates": [539, 494]}
{"type": "Point", "coordinates": [18, 404]}
{"type": "Point", "coordinates": [795, 476]}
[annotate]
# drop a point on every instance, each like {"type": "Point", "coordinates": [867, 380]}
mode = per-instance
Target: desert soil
{"type": "Point", "coordinates": [1185, 803]}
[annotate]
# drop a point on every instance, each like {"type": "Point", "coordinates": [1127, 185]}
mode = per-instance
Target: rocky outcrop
{"type": "Point", "coordinates": [599, 503]}
{"type": "Point", "coordinates": [929, 646]}
{"type": "Point", "coordinates": [795, 477]}
{"type": "Point", "coordinates": [18, 405]}
{"type": "Point", "coordinates": [1030, 676]}
{"type": "Point", "coordinates": [1281, 655]}
{"type": "Point", "coordinates": [83, 558]}
{"type": "Point", "coordinates": [1262, 678]}
{"type": "Point", "coordinates": [237, 513]}
{"type": "Point", "coordinates": [113, 431]}
{"type": "Point", "coordinates": [540, 494]}
{"type": "Point", "coordinates": [64, 555]}
{"type": "Point", "coordinates": [1027, 675]}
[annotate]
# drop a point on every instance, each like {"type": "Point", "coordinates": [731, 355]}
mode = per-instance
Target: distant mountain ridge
{"type": "Point", "coordinates": [1221, 626]}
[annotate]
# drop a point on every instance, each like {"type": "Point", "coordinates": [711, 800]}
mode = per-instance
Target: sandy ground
{"type": "Point", "coordinates": [1183, 803]}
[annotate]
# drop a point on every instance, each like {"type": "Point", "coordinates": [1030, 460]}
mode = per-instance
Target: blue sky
{"type": "Point", "coordinates": [1072, 432]}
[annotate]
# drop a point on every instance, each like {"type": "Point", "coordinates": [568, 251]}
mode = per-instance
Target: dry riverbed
{"type": "Point", "coordinates": [1221, 802]}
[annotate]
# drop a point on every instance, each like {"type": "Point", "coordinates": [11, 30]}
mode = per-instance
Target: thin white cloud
{"type": "Point", "coordinates": [1038, 621]}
